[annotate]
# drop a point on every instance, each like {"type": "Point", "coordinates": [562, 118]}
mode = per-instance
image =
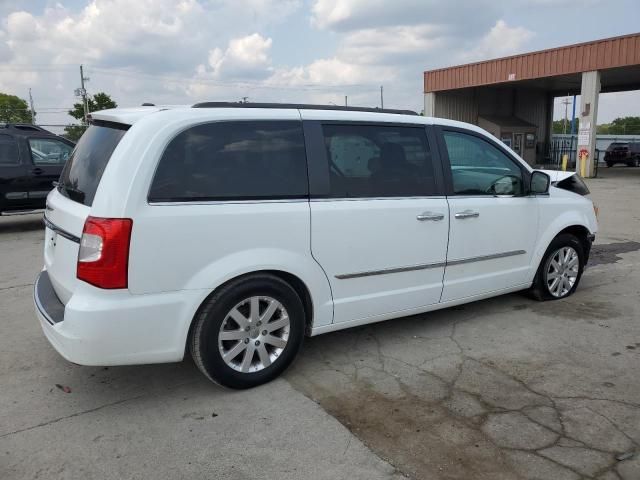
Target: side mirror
{"type": "Point", "coordinates": [540, 182]}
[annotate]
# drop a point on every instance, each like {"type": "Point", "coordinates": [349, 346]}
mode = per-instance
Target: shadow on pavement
{"type": "Point", "coordinates": [21, 223]}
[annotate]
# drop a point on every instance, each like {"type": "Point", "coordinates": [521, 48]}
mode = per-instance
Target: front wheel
{"type": "Point", "coordinates": [560, 269]}
{"type": "Point", "coordinates": [249, 332]}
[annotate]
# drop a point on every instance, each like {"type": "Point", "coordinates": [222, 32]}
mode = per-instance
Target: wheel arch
{"type": "Point", "coordinates": [576, 225]}
{"type": "Point", "coordinates": [580, 232]}
{"type": "Point", "coordinates": [294, 281]}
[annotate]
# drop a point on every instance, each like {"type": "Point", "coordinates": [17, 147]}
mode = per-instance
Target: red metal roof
{"type": "Point", "coordinates": [584, 57]}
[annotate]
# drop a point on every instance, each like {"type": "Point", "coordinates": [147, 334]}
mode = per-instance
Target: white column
{"type": "Point", "coordinates": [430, 104]}
{"type": "Point", "coordinates": [588, 122]}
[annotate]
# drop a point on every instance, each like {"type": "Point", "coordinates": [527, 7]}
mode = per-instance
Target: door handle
{"type": "Point", "coordinates": [467, 214]}
{"type": "Point", "coordinates": [37, 171]}
{"type": "Point", "coordinates": [434, 217]}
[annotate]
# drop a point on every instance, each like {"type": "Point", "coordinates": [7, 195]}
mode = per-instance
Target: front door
{"type": "Point", "coordinates": [380, 230]}
{"type": "Point", "coordinates": [47, 159]}
{"type": "Point", "coordinates": [493, 222]}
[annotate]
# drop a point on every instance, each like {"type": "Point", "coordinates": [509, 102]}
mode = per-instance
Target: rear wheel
{"type": "Point", "coordinates": [560, 270]}
{"type": "Point", "coordinates": [249, 332]}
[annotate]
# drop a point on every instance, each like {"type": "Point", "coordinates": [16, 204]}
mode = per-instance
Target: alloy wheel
{"type": "Point", "coordinates": [562, 271]}
{"type": "Point", "coordinates": [253, 334]}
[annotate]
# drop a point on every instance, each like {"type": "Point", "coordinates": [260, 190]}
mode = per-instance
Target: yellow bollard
{"type": "Point", "coordinates": [583, 155]}
{"type": "Point", "coordinates": [565, 159]}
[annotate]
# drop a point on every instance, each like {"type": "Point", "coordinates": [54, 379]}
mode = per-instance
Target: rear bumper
{"type": "Point", "coordinates": [101, 327]}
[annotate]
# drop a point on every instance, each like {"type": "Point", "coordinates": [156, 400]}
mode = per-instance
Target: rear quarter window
{"type": "Point", "coordinates": [83, 171]}
{"type": "Point", "coordinates": [246, 160]}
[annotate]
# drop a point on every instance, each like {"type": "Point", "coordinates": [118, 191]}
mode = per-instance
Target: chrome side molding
{"type": "Point", "coordinates": [424, 266]}
{"type": "Point", "coordinates": [385, 271]}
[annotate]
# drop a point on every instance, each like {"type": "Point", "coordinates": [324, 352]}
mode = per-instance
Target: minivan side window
{"type": "Point", "coordinates": [244, 160]}
{"type": "Point", "coordinates": [480, 168]}
{"type": "Point", "coordinates": [47, 151]}
{"type": "Point", "coordinates": [8, 150]}
{"type": "Point", "coordinates": [378, 161]}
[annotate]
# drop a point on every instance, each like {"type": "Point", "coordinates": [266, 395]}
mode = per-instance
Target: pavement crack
{"type": "Point", "coordinates": [84, 412]}
{"type": "Point", "coordinates": [16, 286]}
{"type": "Point", "coordinates": [77, 414]}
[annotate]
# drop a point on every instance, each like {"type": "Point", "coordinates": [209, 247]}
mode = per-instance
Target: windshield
{"type": "Point", "coordinates": [82, 173]}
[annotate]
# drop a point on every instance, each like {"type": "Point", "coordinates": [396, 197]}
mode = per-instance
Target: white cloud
{"type": "Point", "coordinates": [456, 15]}
{"type": "Point", "coordinates": [500, 41]}
{"type": "Point", "coordinates": [177, 51]}
{"type": "Point", "coordinates": [391, 45]}
{"type": "Point", "coordinates": [246, 57]}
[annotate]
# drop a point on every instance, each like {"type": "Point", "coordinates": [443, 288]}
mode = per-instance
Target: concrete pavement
{"type": "Point", "coordinates": [506, 388]}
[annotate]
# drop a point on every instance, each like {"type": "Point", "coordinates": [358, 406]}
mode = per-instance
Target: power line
{"type": "Point", "coordinates": [216, 82]}
{"type": "Point", "coordinates": [119, 72]}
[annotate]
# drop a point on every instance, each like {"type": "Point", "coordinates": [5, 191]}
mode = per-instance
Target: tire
{"type": "Point", "coordinates": [541, 288]}
{"type": "Point", "coordinates": [609, 164]}
{"type": "Point", "coordinates": [269, 353]}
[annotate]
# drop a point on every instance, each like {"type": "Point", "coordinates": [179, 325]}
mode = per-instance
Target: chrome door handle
{"type": "Point", "coordinates": [435, 217]}
{"type": "Point", "coordinates": [467, 214]}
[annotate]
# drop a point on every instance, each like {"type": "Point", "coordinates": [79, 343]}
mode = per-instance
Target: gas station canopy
{"type": "Point", "coordinates": [523, 86]}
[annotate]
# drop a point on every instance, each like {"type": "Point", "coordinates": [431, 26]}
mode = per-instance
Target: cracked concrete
{"type": "Point", "coordinates": [506, 388]}
{"type": "Point", "coordinates": [153, 421]}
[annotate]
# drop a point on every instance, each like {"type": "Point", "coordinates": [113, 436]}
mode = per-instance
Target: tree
{"type": "Point", "coordinates": [100, 101]}
{"type": "Point", "coordinates": [558, 126]}
{"type": "Point", "coordinates": [14, 109]}
{"type": "Point", "coordinates": [621, 126]}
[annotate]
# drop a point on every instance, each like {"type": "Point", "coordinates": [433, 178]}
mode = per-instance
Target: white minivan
{"type": "Point", "coordinates": [234, 230]}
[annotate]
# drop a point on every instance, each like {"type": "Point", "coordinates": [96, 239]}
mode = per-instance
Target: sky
{"type": "Point", "coordinates": [313, 51]}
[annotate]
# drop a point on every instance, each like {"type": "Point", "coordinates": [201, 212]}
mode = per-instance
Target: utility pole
{"type": "Point", "coordinates": [82, 92]}
{"type": "Point", "coordinates": [345, 101]}
{"type": "Point", "coordinates": [381, 98]}
{"type": "Point", "coordinates": [33, 111]}
{"type": "Point", "coordinates": [573, 119]}
{"type": "Point", "coordinates": [566, 103]}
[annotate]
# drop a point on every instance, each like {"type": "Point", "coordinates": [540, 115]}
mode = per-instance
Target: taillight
{"type": "Point", "coordinates": [103, 258]}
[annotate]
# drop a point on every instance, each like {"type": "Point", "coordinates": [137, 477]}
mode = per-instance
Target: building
{"type": "Point", "coordinates": [513, 96]}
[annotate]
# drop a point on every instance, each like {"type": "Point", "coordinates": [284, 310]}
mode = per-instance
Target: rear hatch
{"type": "Point", "coordinates": [69, 204]}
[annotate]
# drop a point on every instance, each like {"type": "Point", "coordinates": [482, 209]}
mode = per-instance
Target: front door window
{"type": "Point", "coordinates": [480, 168]}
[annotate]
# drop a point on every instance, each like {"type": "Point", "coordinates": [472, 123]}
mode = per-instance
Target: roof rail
{"type": "Point", "coordinates": [300, 106]}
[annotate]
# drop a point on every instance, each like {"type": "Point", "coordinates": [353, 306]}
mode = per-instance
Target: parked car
{"type": "Point", "coordinates": [234, 230]}
{"type": "Point", "coordinates": [31, 159]}
{"type": "Point", "coordinates": [623, 152]}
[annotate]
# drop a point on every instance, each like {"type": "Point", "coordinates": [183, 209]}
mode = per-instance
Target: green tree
{"type": "Point", "coordinates": [621, 126]}
{"type": "Point", "coordinates": [558, 126]}
{"type": "Point", "coordinates": [100, 101]}
{"type": "Point", "coordinates": [14, 109]}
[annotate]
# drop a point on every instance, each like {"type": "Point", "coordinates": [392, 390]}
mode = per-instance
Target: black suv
{"type": "Point", "coordinates": [619, 152]}
{"type": "Point", "coordinates": [31, 159]}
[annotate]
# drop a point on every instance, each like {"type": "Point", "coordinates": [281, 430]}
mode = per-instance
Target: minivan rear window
{"type": "Point", "coordinates": [82, 173]}
{"type": "Point", "coordinates": [241, 160]}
